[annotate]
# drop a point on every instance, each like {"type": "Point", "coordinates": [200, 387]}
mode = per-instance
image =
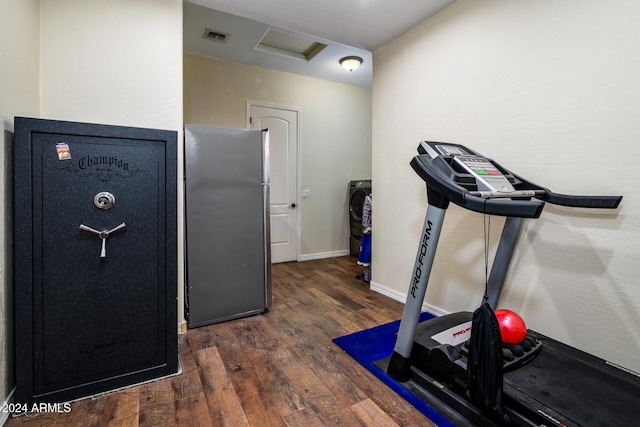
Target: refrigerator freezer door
{"type": "Point", "coordinates": [227, 275]}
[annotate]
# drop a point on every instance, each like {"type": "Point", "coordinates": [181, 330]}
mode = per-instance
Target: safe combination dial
{"type": "Point", "coordinates": [104, 200]}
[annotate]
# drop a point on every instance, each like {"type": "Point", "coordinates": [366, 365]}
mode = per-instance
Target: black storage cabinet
{"type": "Point", "coordinates": [95, 258]}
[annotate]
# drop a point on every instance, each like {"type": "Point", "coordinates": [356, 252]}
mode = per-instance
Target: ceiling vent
{"type": "Point", "coordinates": [289, 45]}
{"type": "Point", "coordinates": [215, 36]}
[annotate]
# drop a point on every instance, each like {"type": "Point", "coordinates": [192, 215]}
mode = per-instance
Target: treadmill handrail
{"type": "Point", "coordinates": [590, 202]}
{"type": "Point", "coordinates": [439, 183]}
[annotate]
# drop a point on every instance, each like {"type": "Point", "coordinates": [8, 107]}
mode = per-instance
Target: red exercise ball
{"type": "Point", "coordinates": [512, 327]}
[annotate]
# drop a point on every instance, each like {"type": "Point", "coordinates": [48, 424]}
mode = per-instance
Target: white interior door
{"type": "Point", "coordinates": [283, 163]}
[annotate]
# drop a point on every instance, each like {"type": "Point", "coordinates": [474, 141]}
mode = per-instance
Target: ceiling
{"type": "Point", "coordinates": [346, 27]}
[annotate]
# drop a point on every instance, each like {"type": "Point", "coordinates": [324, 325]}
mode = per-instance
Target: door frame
{"type": "Point", "coordinates": [296, 110]}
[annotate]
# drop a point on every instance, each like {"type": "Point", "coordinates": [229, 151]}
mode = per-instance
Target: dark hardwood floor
{"type": "Point", "coordinates": [276, 369]}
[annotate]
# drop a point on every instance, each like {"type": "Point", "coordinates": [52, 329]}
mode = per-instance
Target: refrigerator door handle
{"type": "Point", "coordinates": [265, 157]}
{"type": "Point", "coordinates": [266, 201]}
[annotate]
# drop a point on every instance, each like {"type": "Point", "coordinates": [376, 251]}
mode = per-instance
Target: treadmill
{"type": "Point", "coordinates": [547, 383]}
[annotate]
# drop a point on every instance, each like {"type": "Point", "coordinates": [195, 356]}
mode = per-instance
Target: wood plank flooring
{"type": "Point", "coordinates": [276, 369]}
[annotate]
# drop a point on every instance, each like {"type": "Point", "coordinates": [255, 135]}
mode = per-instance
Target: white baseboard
{"type": "Point", "coordinates": [4, 415]}
{"type": "Point", "coordinates": [399, 296]}
{"type": "Point", "coordinates": [322, 255]}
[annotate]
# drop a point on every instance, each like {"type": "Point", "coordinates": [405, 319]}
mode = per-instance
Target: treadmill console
{"type": "Point", "coordinates": [488, 177]}
{"type": "Point", "coordinates": [466, 162]}
{"type": "Point", "coordinates": [455, 173]}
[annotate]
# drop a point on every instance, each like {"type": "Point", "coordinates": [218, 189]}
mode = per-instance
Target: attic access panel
{"type": "Point", "coordinates": [95, 247]}
{"type": "Point", "coordinates": [289, 45]}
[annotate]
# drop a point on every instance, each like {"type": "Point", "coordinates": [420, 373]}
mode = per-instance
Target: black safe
{"type": "Point", "coordinates": [95, 258]}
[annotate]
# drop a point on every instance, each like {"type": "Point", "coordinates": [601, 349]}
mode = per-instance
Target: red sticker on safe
{"type": "Point", "coordinates": [64, 153]}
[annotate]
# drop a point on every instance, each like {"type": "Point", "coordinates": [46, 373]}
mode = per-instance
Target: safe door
{"type": "Point", "coordinates": [95, 217]}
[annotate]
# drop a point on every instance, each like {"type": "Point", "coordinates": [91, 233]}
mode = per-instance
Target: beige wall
{"type": "Point", "coordinates": [114, 62]}
{"type": "Point", "coordinates": [550, 90]}
{"type": "Point", "coordinates": [19, 87]}
{"type": "Point", "coordinates": [335, 135]}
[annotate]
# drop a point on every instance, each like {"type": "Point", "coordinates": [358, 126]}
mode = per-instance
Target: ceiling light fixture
{"type": "Point", "coordinates": [351, 63]}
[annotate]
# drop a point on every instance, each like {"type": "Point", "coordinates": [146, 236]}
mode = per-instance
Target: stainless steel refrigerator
{"type": "Point", "coordinates": [228, 260]}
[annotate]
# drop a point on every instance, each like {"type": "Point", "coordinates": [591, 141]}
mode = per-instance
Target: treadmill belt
{"type": "Point", "coordinates": [571, 387]}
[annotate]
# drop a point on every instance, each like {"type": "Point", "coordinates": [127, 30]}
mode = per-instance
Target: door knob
{"type": "Point", "coordinates": [292, 205]}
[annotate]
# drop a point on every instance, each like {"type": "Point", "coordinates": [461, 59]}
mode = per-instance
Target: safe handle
{"type": "Point", "coordinates": [103, 235]}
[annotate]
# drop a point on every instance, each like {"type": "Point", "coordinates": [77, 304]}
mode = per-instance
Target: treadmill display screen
{"type": "Point", "coordinates": [451, 150]}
